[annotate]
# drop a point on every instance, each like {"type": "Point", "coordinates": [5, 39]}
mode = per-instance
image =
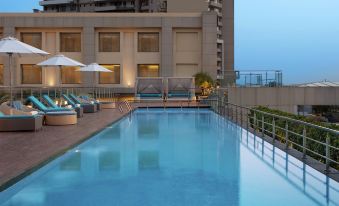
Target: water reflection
{"type": "Point", "coordinates": [318, 188]}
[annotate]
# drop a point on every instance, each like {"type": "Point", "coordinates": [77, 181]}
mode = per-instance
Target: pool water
{"type": "Point", "coordinates": [174, 157]}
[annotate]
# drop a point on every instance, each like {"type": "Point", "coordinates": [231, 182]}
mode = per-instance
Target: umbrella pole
{"type": "Point", "coordinates": [60, 88]}
{"type": "Point", "coordinates": [94, 96]}
{"type": "Point", "coordinates": [10, 80]}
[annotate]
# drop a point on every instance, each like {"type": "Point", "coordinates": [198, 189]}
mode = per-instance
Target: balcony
{"type": "Point", "coordinates": [54, 2]}
{"type": "Point", "coordinates": [114, 8]}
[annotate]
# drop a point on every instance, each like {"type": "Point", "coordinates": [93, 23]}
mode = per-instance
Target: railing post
{"type": "Point", "coordinates": [236, 114]}
{"type": "Point", "coordinates": [304, 143]}
{"type": "Point", "coordinates": [255, 123]}
{"type": "Point", "coordinates": [263, 125]}
{"type": "Point", "coordinates": [273, 130]}
{"type": "Point", "coordinates": [241, 116]}
{"type": "Point", "coordinates": [328, 155]}
{"type": "Point", "coordinates": [286, 135]}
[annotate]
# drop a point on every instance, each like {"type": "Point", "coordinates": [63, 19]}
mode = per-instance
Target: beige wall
{"type": "Point", "coordinates": [187, 5]}
{"type": "Point", "coordinates": [199, 26]}
{"type": "Point", "coordinates": [284, 98]}
{"type": "Point", "coordinates": [187, 50]}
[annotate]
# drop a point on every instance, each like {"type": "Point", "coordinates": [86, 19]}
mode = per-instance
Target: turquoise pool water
{"type": "Point", "coordinates": [174, 157]}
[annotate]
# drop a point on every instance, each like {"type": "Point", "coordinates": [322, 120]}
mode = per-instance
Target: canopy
{"type": "Point", "coordinates": [60, 60]}
{"type": "Point", "coordinates": [10, 45]}
{"type": "Point", "coordinates": [94, 67]}
{"type": "Point", "coordinates": [149, 85]}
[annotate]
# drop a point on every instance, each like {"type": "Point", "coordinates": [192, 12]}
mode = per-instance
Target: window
{"type": "Point", "coordinates": [109, 42]}
{"type": "Point", "coordinates": [31, 74]}
{"type": "Point", "coordinates": [148, 70]}
{"type": "Point", "coordinates": [70, 42]}
{"type": "Point", "coordinates": [1, 74]}
{"type": "Point", "coordinates": [69, 75]}
{"type": "Point", "coordinates": [110, 77]}
{"type": "Point", "coordinates": [33, 39]}
{"type": "Point", "coordinates": [148, 42]}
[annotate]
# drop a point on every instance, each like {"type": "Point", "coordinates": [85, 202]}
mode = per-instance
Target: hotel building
{"type": "Point", "coordinates": [223, 8]}
{"type": "Point", "coordinates": [131, 45]}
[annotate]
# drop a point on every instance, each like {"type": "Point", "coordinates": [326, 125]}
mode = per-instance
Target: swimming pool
{"type": "Point", "coordinates": [174, 157]}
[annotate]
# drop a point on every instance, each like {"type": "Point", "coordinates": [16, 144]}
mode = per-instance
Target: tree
{"type": "Point", "coordinates": [204, 81]}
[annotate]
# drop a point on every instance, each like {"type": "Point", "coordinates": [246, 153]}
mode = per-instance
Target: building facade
{"type": "Point", "coordinates": [131, 45]}
{"type": "Point", "coordinates": [225, 36]}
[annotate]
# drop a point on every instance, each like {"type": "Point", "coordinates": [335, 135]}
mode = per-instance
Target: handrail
{"type": "Point", "coordinates": [228, 109]}
{"type": "Point", "coordinates": [281, 117]}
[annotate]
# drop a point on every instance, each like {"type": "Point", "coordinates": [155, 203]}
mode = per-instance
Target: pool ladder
{"type": "Point", "coordinates": [127, 104]}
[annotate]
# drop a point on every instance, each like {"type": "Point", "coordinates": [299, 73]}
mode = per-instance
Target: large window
{"type": "Point", "coordinates": [69, 75]}
{"type": "Point", "coordinates": [148, 70]}
{"type": "Point", "coordinates": [1, 74]}
{"type": "Point", "coordinates": [148, 42]}
{"type": "Point", "coordinates": [109, 42]}
{"type": "Point", "coordinates": [32, 38]}
{"type": "Point", "coordinates": [31, 74]}
{"type": "Point", "coordinates": [70, 42]}
{"type": "Point", "coordinates": [110, 77]}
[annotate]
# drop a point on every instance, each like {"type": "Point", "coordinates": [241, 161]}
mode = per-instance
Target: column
{"type": "Point", "coordinates": [88, 54]}
{"type": "Point", "coordinates": [167, 67]}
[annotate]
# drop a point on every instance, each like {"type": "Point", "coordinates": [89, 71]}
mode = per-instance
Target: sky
{"type": "Point", "coordinates": [299, 37]}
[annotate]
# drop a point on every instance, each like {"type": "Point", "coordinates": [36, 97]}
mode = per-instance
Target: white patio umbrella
{"type": "Point", "coordinates": [60, 61]}
{"type": "Point", "coordinates": [11, 46]}
{"type": "Point", "coordinates": [94, 67]}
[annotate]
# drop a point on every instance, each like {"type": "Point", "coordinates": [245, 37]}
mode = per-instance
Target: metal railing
{"type": "Point", "coordinates": [21, 93]}
{"type": "Point", "coordinates": [320, 143]}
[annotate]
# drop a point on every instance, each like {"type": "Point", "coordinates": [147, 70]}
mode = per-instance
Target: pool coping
{"type": "Point", "coordinates": [7, 184]}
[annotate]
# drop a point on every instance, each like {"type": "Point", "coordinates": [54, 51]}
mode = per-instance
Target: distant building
{"type": "Point", "coordinates": [225, 36]}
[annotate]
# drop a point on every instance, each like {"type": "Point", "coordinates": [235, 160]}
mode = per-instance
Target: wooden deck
{"type": "Point", "coordinates": [21, 153]}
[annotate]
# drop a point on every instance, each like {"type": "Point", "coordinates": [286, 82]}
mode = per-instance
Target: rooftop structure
{"type": "Point", "coordinates": [131, 45]}
{"type": "Point", "coordinates": [224, 10]}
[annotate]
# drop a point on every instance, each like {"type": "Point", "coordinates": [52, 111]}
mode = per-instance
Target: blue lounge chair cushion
{"type": "Point", "coordinates": [18, 116]}
{"type": "Point", "coordinates": [179, 94]}
{"type": "Point", "coordinates": [49, 101]}
{"type": "Point", "coordinates": [69, 100]}
{"type": "Point", "coordinates": [150, 95]}
{"type": "Point", "coordinates": [42, 107]}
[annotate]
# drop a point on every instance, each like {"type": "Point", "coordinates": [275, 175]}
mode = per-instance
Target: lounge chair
{"type": "Point", "coordinates": [90, 100]}
{"type": "Point", "coordinates": [88, 107]}
{"type": "Point", "coordinates": [101, 105]}
{"type": "Point", "coordinates": [12, 120]}
{"type": "Point", "coordinates": [50, 102]}
{"type": "Point", "coordinates": [55, 116]}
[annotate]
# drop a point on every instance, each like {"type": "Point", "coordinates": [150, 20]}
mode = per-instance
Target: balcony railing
{"type": "Point", "coordinates": [259, 78]}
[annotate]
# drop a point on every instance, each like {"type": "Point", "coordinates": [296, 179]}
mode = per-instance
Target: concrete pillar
{"type": "Point", "coordinates": [228, 37]}
{"type": "Point", "coordinates": [167, 67]}
{"type": "Point", "coordinates": [209, 46]}
{"type": "Point", "coordinates": [88, 54]}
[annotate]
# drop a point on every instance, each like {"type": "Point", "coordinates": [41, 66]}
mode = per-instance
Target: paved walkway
{"type": "Point", "coordinates": [21, 153]}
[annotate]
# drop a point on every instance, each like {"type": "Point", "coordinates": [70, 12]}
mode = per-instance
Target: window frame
{"type": "Point", "coordinates": [61, 79]}
{"type": "Point", "coordinates": [40, 34]}
{"type": "Point", "coordinates": [99, 76]}
{"type": "Point", "coordinates": [99, 44]}
{"type": "Point", "coordinates": [138, 73]}
{"type": "Point", "coordinates": [22, 74]}
{"type": "Point", "coordinates": [60, 43]}
{"type": "Point", "coordinates": [139, 45]}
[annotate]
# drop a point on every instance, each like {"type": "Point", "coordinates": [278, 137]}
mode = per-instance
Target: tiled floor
{"type": "Point", "coordinates": [21, 153]}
